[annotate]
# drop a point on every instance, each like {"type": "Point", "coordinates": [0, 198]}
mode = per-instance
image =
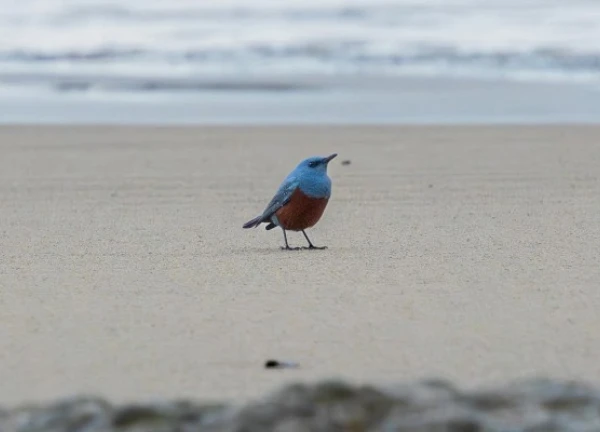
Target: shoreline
{"type": "Point", "coordinates": [308, 100]}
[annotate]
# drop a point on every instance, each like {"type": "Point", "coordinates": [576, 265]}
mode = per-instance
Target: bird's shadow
{"type": "Point", "coordinates": [300, 248]}
{"type": "Point", "coordinates": [276, 250]}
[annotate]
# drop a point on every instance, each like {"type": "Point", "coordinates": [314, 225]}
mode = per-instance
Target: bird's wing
{"type": "Point", "coordinates": [282, 197]}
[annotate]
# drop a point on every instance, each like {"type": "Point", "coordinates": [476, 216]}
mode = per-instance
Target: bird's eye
{"type": "Point", "coordinates": [313, 164]}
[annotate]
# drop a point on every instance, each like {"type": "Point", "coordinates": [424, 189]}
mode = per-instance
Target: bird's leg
{"type": "Point", "coordinates": [287, 246]}
{"type": "Point", "coordinates": [310, 245]}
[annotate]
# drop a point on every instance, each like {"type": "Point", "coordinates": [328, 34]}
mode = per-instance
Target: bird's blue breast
{"type": "Point", "coordinates": [315, 184]}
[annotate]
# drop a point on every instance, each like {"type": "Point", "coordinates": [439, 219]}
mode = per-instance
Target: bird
{"type": "Point", "coordinates": [300, 200]}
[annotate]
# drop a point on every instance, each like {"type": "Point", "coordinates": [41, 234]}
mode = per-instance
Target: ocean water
{"type": "Point", "coordinates": [105, 49]}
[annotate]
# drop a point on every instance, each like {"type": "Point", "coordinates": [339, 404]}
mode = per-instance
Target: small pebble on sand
{"type": "Point", "coordinates": [276, 364]}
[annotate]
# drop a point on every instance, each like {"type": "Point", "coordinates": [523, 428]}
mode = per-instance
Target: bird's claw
{"type": "Point", "coordinates": [290, 248]}
{"type": "Point", "coordinates": [315, 247]}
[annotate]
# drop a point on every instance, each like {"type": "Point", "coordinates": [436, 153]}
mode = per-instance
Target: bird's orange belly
{"type": "Point", "coordinates": [301, 212]}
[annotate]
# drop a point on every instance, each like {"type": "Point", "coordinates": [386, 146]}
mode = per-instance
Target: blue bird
{"type": "Point", "coordinates": [300, 201]}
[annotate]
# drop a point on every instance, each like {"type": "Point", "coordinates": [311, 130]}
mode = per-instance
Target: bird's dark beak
{"type": "Point", "coordinates": [328, 158]}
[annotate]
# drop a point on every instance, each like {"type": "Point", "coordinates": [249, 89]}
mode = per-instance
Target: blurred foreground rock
{"type": "Point", "coordinates": [427, 406]}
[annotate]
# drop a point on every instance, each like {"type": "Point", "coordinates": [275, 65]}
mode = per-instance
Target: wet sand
{"type": "Point", "coordinates": [466, 253]}
{"type": "Point", "coordinates": [59, 99]}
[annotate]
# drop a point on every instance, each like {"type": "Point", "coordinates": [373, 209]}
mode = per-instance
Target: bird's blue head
{"type": "Point", "coordinates": [315, 164]}
{"type": "Point", "coordinates": [312, 177]}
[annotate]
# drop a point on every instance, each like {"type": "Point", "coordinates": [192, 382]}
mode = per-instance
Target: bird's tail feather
{"type": "Point", "coordinates": [254, 222]}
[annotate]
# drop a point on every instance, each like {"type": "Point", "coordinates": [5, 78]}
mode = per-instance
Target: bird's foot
{"type": "Point", "coordinates": [315, 247]}
{"type": "Point", "coordinates": [290, 248]}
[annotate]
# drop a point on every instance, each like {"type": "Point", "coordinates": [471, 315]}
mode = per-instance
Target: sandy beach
{"type": "Point", "coordinates": [465, 253]}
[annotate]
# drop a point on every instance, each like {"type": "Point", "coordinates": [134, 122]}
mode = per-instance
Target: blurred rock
{"type": "Point", "coordinates": [76, 414]}
{"type": "Point", "coordinates": [424, 406]}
